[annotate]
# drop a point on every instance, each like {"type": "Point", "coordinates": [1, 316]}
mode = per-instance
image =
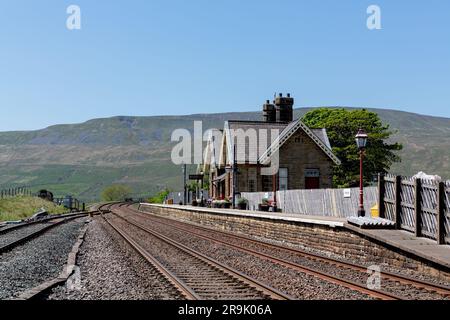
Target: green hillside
{"type": "Point", "coordinates": [18, 208]}
{"type": "Point", "coordinates": [81, 159]}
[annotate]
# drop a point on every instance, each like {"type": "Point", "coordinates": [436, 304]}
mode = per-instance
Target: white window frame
{"type": "Point", "coordinates": [283, 179]}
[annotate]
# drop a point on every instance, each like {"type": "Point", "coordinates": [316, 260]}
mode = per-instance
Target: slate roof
{"type": "Point", "coordinates": [284, 130]}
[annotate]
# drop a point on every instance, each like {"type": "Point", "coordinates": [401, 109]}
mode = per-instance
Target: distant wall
{"type": "Point", "coordinates": [320, 202]}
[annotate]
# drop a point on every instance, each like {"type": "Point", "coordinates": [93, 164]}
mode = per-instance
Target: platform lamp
{"type": "Point", "coordinates": [361, 142]}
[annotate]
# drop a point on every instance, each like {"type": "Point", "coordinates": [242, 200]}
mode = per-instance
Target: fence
{"type": "Point", "coordinates": [340, 203]}
{"type": "Point", "coordinates": [178, 197]}
{"type": "Point", "coordinates": [14, 192]}
{"type": "Point", "coordinates": [416, 205]}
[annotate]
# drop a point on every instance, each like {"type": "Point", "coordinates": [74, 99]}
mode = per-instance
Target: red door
{"type": "Point", "coordinates": [312, 183]}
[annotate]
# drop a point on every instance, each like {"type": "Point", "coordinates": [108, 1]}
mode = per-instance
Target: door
{"type": "Point", "coordinates": [312, 183]}
{"type": "Point", "coordinates": [312, 179]}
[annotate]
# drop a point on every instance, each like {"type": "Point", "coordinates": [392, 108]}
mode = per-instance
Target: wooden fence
{"type": "Point", "coordinates": [14, 192]}
{"type": "Point", "coordinates": [417, 205]}
{"type": "Point", "coordinates": [320, 202]}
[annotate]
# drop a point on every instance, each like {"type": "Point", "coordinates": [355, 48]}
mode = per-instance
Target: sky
{"type": "Point", "coordinates": [169, 57]}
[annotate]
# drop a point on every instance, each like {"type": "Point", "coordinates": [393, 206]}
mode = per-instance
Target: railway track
{"type": "Point", "coordinates": [36, 257]}
{"type": "Point", "coordinates": [8, 229]}
{"type": "Point", "coordinates": [273, 252]}
{"type": "Point", "coordinates": [20, 234]}
{"type": "Point", "coordinates": [198, 276]}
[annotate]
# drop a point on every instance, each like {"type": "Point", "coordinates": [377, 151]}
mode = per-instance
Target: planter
{"type": "Point", "coordinates": [242, 206]}
{"type": "Point", "coordinates": [263, 207]}
{"type": "Point", "coordinates": [227, 205]}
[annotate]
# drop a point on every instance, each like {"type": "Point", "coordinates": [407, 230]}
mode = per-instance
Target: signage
{"type": "Point", "coordinates": [195, 177]}
{"type": "Point", "coordinates": [347, 193]}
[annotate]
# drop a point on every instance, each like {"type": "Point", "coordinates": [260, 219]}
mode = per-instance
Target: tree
{"type": "Point", "coordinates": [116, 192]}
{"type": "Point", "coordinates": [342, 125]}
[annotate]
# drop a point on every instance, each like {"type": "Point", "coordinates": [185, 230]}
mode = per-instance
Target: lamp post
{"type": "Point", "coordinates": [361, 142]}
{"type": "Point", "coordinates": [184, 184]}
{"type": "Point", "coordinates": [233, 169]}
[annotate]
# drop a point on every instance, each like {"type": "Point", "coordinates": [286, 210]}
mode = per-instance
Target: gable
{"type": "Point", "coordinates": [288, 132]}
{"type": "Point", "coordinates": [300, 147]}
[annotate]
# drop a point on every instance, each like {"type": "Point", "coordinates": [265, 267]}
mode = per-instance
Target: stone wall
{"type": "Point", "coordinates": [338, 241]}
{"type": "Point", "coordinates": [299, 153]}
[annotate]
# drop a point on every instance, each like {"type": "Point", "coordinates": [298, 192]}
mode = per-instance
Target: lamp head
{"type": "Point", "coordinates": [361, 139]}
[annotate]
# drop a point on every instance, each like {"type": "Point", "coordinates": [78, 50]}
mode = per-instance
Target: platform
{"type": "Point", "coordinates": [319, 220]}
{"type": "Point", "coordinates": [424, 248]}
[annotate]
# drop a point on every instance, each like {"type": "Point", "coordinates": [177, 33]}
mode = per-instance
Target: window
{"type": "Point", "coordinates": [283, 179]}
{"type": "Point", "coordinates": [251, 186]}
{"type": "Point", "coordinates": [251, 179]}
{"type": "Point", "coordinates": [267, 183]}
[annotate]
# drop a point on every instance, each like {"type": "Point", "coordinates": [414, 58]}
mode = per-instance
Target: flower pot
{"type": "Point", "coordinates": [242, 206]}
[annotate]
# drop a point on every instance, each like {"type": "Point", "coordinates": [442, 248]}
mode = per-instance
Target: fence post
{"type": "Point", "coordinates": [418, 207]}
{"type": "Point", "coordinates": [398, 201]}
{"type": "Point", "coordinates": [440, 214]}
{"type": "Point", "coordinates": [381, 192]}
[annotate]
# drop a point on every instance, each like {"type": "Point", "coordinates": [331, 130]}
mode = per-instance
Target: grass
{"type": "Point", "coordinates": [18, 208]}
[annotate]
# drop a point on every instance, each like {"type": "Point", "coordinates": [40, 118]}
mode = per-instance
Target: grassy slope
{"type": "Point", "coordinates": [19, 208]}
{"type": "Point", "coordinates": [81, 159]}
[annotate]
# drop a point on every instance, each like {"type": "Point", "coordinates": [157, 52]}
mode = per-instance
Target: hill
{"type": "Point", "coordinates": [81, 159]}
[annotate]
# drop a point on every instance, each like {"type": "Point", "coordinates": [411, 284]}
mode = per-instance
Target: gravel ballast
{"type": "Point", "coordinates": [395, 288]}
{"type": "Point", "coordinates": [38, 260]}
{"type": "Point", "coordinates": [17, 234]}
{"type": "Point", "coordinates": [109, 269]}
{"type": "Point", "coordinates": [297, 284]}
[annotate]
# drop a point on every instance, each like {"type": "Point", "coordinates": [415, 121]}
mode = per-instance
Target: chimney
{"type": "Point", "coordinates": [284, 108]}
{"type": "Point", "coordinates": [269, 112]}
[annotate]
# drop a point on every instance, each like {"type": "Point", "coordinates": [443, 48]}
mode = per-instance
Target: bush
{"type": "Point", "coordinates": [242, 201]}
{"type": "Point", "coordinates": [160, 197]}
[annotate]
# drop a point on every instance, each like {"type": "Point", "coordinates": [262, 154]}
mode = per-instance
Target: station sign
{"type": "Point", "coordinates": [195, 177]}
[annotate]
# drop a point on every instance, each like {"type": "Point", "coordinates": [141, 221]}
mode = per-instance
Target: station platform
{"type": "Point", "coordinates": [328, 221]}
{"type": "Point", "coordinates": [422, 248]}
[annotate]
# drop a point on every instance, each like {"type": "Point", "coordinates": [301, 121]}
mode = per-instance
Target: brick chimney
{"type": "Point", "coordinates": [284, 108]}
{"type": "Point", "coordinates": [269, 112]}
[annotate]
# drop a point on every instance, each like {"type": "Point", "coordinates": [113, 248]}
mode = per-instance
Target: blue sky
{"type": "Point", "coordinates": [180, 57]}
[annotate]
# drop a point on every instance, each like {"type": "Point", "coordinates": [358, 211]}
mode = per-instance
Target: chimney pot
{"type": "Point", "coordinates": [288, 95]}
{"type": "Point", "coordinates": [281, 95]}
